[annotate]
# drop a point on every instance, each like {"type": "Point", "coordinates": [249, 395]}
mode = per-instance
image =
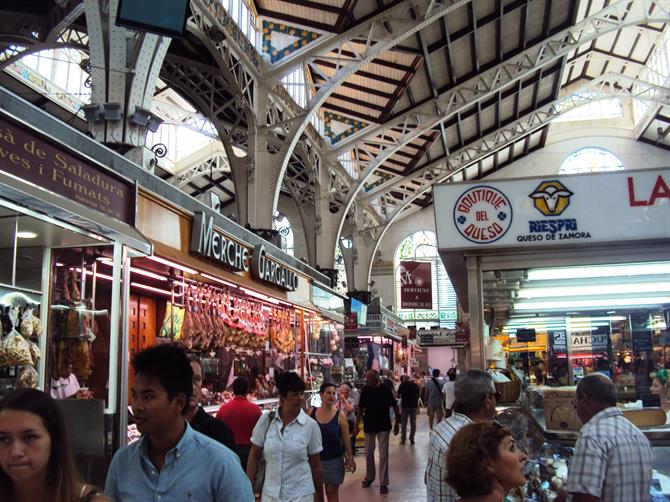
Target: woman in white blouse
{"type": "Point", "coordinates": [290, 442]}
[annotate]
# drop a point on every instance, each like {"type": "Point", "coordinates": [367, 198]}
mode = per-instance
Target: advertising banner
{"type": "Point", "coordinates": [560, 210]}
{"type": "Point", "coordinates": [416, 286]}
{"type": "Point", "coordinates": [350, 322]}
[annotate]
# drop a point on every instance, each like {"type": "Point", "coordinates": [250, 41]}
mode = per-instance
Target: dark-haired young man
{"type": "Point", "coordinates": [199, 419]}
{"type": "Point", "coordinates": [172, 462]}
{"type": "Point", "coordinates": [241, 416]}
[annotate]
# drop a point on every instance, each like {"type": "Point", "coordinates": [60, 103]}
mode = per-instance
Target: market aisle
{"type": "Point", "coordinates": [406, 467]}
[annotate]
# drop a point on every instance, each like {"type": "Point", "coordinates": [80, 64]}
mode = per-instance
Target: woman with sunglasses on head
{"type": "Point", "coordinates": [484, 463]}
{"type": "Point", "coordinates": [335, 438]}
{"type": "Point", "coordinates": [36, 462]}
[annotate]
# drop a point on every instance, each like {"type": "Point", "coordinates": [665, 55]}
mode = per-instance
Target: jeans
{"type": "Point", "coordinates": [370, 468]}
{"type": "Point", "coordinates": [404, 414]}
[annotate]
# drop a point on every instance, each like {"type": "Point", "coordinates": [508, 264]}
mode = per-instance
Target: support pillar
{"type": "Point", "coordinates": [476, 310]}
{"type": "Point", "coordinates": [124, 68]}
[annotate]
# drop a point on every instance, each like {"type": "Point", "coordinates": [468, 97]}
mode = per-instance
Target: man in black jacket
{"type": "Point", "coordinates": [409, 401]}
{"type": "Point", "coordinates": [199, 419]}
{"type": "Point", "coordinates": [374, 406]}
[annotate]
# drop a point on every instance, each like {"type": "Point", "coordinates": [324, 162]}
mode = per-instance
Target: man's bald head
{"type": "Point", "coordinates": [598, 388]}
{"type": "Point", "coordinates": [595, 393]}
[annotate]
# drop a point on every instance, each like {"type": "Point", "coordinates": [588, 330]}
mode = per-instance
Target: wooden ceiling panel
{"type": "Point", "coordinates": [365, 80]}
{"type": "Point", "coordinates": [298, 11]}
{"type": "Point", "coordinates": [510, 30]}
{"type": "Point", "coordinates": [462, 57]}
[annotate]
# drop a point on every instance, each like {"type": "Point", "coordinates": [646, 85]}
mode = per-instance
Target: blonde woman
{"type": "Point", "coordinates": [660, 386]}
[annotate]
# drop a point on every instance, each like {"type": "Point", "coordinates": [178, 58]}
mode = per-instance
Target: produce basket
{"type": "Point", "coordinates": [509, 391]}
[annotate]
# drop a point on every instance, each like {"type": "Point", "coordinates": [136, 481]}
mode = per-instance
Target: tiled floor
{"type": "Point", "coordinates": [406, 467]}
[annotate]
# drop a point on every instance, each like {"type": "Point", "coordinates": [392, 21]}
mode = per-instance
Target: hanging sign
{"type": "Point", "coordinates": [416, 287]}
{"type": "Point", "coordinates": [559, 210]}
{"type": "Point", "coordinates": [36, 160]}
{"type": "Point", "coordinates": [351, 322]}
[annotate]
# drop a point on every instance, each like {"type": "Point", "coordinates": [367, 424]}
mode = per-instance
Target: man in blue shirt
{"type": "Point", "coordinates": [172, 462]}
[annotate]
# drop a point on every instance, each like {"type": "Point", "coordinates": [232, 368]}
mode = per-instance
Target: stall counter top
{"type": "Point", "coordinates": [658, 436]}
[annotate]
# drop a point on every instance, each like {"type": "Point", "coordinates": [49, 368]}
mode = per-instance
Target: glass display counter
{"type": "Point", "coordinates": [550, 451]}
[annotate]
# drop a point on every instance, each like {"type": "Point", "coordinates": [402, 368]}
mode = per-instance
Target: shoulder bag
{"type": "Point", "coordinates": [259, 480]}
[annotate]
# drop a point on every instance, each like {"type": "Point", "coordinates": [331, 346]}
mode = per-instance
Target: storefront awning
{"type": "Point", "coordinates": [71, 213]}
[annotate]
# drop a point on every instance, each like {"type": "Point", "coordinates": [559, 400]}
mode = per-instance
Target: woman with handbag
{"type": "Point", "coordinates": [284, 463]}
{"type": "Point", "coordinates": [335, 437]}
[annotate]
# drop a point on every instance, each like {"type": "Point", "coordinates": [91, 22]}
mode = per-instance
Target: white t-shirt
{"type": "Point", "coordinates": [449, 394]}
{"type": "Point", "coordinates": [64, 387]}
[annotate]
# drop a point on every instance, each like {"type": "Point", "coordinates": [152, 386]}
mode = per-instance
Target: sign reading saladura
{"type": "Point", "coordinates": [416, 286]}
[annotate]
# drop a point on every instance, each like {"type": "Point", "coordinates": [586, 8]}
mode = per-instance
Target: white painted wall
{"type": "Point", "coordinates": [566, 140]}
{"type": "Point", "coordinates": [290, 209]}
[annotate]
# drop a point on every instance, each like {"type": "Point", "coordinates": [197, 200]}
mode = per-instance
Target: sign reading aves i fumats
{"type": "Point", "coordinates": [30, 157]}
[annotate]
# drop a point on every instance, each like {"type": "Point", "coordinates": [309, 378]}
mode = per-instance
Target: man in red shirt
{"type": "Point", "coordinates": [241, 416]}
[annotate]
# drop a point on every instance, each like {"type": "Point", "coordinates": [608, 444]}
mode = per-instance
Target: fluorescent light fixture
{"type": "Point", "coordinates": [154, 290]}
{"type": "Point", "coordinates": [586, 304]}
{"type": "Point", "coordinates": [97, 274]}
{"type": "Point", "coordinates": [628, 269]}
{"type": "Point", "coordinates": [172, 264]}
{"type": "Point", "coordinates": [139, 271]}
{"type": "Point", "coordinates": [220, 281]}
{"type": "Point", "coordinates": [26, 234]}
{"type": "Point", "coordinates": [598, 289]}
{"type": "Point", "coordinates": [260, 296]}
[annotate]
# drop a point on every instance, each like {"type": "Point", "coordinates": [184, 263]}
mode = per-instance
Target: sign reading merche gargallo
{"type": "Point", "coordinates": [33, 158]}
{"type": "Point", "coordinates": [267, 270]}
{"type": "Point", "coordinates": [209, 243]}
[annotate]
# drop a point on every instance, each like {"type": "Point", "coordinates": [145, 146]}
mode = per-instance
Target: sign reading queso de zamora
{"type": "Point", "coordinates": [32, 158]}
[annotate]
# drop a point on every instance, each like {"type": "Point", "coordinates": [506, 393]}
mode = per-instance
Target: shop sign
{"type": "Point", "coordinates": [351, 322]}
{"type": "Point", "coordinates": [374, 321]}
{"type": "Point", "coordinates": [561, 210]}
{"type": "Point", "coordinates": [642, 341]}
{"type": "Point", "coordinates": [390, 325]}
{"type": "Point", "coordinates": [559, 341]}
{"type": "Point", "coordinates": [416, 286]}
{"type": "Point", "coordinates": [209, 243]}
{"type": "Point", "coordinates": [586, 341]}
{"type": "Point", "coordinates": [428, 315]}
{"type": "Point", "coordinates": [412, 332]}
{"type": "Point", "coordinates": [462, 332]}
{"type": "Point", "coordinates": [36, 160]}
{"type": "Point", "coordinates": [269, 271]}
{"type": "Point", "coordinates": [437, 337]}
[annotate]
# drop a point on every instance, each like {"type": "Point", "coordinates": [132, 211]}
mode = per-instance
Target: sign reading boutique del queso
{"type": "Point", "coordinates": [208, 242]}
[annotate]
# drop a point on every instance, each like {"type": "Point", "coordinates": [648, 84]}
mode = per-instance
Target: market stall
{"type": "Point", "coordinates": [569, 274]}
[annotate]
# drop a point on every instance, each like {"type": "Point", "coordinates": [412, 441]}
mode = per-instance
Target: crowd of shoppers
{"type": "Point", "coordinates": [299, 453]}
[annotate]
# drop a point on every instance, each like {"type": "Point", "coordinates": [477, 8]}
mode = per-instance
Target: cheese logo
{"type": "Point", "coordinates": [483, 214]}
{"type": "Point", "coordinates": [551, 198]}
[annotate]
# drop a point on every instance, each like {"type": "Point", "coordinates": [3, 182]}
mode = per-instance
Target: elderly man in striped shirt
{"type": "Point", "coordinates": [612, 459]}
{"type": "Point", "coordinates": [475, 402]}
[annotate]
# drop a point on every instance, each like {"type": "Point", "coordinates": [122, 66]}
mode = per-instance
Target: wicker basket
{"type": "Point", "coordinates": [509, 391]}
